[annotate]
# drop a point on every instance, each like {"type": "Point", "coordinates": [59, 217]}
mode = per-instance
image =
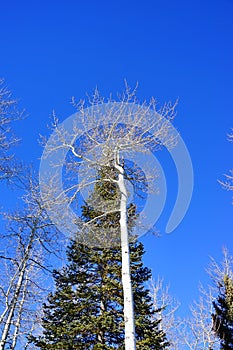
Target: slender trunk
{"type": "Point", "coordinates": [7, 297]}
{"type": "Point", "coordinates": [130, 342]}
{"type": "Point", "coordinates": [20, 311]}
{"type": "Point", "coordinates": [12, 308]}
{"type": "Point", "coordinates": [18, 288]}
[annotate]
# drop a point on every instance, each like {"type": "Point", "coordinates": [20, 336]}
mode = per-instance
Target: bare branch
{"type": "Point", "coordinates": [8, 114]}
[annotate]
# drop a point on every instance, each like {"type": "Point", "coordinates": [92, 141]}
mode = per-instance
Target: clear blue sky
{"type": "Point", "coordinates": [52, 50]}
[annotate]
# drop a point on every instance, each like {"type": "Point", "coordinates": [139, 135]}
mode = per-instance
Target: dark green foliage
{"type": "Point", "coordinates": [86, 309]}
{"type": "Point", "coordinates": [102, 210]}
{"type": "Point", "coordinates": [223, 316]}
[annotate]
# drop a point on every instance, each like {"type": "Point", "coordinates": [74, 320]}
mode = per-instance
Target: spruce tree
{"type": "Point", "coordinates": [86, 309]}
{"type": "Point", "coordinates": [223, 316]}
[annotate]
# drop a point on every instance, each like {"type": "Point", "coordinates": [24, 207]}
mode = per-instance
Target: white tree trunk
{"type": "Point", "coordinates": [130, 342]}
{"type": "Point", "coordinates": [20, 311]}
{"type": "Point", "coordinates": [10, 316]}
{"type": "Point", "coordinates": [15, 299]}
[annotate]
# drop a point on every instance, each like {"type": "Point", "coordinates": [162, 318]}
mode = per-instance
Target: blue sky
{"type": "Point", "coordinates": [53, 50]}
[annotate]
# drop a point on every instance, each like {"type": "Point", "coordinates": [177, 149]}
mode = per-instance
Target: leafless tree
{"type": "Point", "coordinates": [217, 271]}
{"type": "Point", "coordinates": [104, 134]}
{"type": "Point", "coordinates": [167, 306]}
{"type": "Point", "coordinates": [8, 114]}
{"type": "Point", "coordinates": [19, 298]}
{"type": "Point", "coordinates": [29, 239]}
{"type": "Point", "coordinates": [197, 330]}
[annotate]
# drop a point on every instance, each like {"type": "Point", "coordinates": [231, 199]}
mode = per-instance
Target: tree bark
{"type": "Point", "coordinates": [12, 308]}
{"type": "Point", "coordinates": [130, 342]}
{"type": "Point", "coordinates": [15, 298]}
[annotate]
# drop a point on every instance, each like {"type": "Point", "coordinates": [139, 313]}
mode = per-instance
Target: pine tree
{"type": "Point", "coordinates": [86, 309]}
{"type": "Point", "coordinates": [223, 316]}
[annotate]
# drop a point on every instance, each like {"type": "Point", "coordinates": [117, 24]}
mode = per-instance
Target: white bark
{"type": "Point", "coordinates": [10, 316]}
{"type": "Point", "coordinates": [130, 342]}
{"type": "Point", "coordinates": [110, 128]}
{"type": "Point", "coordinates": [29, 241]}
{"type": "Point", "coordinates": [20, 312]}
{"type": "Point", "coordinates": [15, 299]}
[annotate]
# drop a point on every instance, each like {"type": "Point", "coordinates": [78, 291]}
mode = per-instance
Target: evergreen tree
{"type": "Point", "coordinates": [223, 316]}
{"type": "Point", "coordinates": [86, 309]}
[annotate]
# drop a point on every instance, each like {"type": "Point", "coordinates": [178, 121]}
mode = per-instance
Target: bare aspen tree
{"type": "Point", "coordinates": [217, 271]}
{"type": "Point", "coordinates": [16, 298]}
{"type": "Point", "coordinates": [196, 332]}
{"type": "Point", "coordinates": [8, 114]}
{"type": "Point", "coordinates": [167, 307]}
{"type": "Point", "coordinates": [30, 237]}
{"type": "Point", "coordinates": [103, 134]}
{"type": "Point", "coordinates": [15, 294]}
